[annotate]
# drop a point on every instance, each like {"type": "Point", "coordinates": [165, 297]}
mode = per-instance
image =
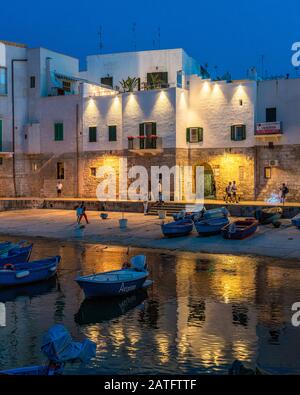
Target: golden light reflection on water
{"type": "Point", "coordinates": [202, 312]}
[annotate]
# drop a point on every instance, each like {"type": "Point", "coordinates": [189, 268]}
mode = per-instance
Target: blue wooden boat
{"type": "Point", "coordinates": [16, 255]}
{"type": "Point", "coordinates": [59, 348]}
{"type": "Point", "coordinates": [95, 311]}
{"type": "Point", "coordinates": [296, 221]}
{"type": "Point", "coordinates": [268, 215]}
{"type": "Point", "coordinates": [215, 213]}
{"type": "Point", "coordinates": [116, 282]}
{"type": "Point", "coordinates": [240, 229]}
{"type": "Point", "coordinates": [28, 272]}
{"type": "Point", "coordinates": [212, 226]}
{"type": "Point", "coordinates": [182, 227]}
{"type": "Point", "coordinates": [8, 245]}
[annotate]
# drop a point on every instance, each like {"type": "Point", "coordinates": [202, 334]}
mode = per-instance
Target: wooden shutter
{"type": "Point", "coordinates": [154, 128]}
{"type": "Point", "coordinates": [112, 133]}
{"type": "Point", "coordinates": [58, 131]}
{"type": "Point", "coordinates": [244, 132]}
{"type": "Point", "coordinates": [232, 132]}
{"type": "Point", "coordinates": [188, 135]}
{"type": "Point", "coordinates": [200, 134]}
{"type": "Point", "coordinates": [92, 134]}
{"type": "Point", "coordinates": [142, 129]}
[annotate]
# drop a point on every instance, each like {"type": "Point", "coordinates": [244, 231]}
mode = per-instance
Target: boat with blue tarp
{"type": "Point", "coordinates": [296, 221]}
{"type": "Point", "coordinates": [17, 254]}
{"type": "Point", "coordinates": [59, 348]}
{"type": "Point", "coordinates": [179, 228]}
{"type": "Point", "coordinates": [28, 272]}
{"type": "Point", "coordinates": [117, 282]}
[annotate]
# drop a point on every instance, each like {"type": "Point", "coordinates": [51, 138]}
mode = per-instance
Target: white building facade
{"type": "Point", "coordinates": [59, 123]}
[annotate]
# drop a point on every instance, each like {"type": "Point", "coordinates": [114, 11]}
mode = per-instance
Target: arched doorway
{"type": "Point", "coordinates": [209, 181]}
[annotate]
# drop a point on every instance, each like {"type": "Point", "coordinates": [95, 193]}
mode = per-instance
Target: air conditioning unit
{"type": "Point", "coordinates": [273, 162]}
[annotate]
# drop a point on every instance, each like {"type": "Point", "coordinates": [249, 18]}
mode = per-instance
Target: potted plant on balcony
{"type": "Point", "coordinates": [123, 221]}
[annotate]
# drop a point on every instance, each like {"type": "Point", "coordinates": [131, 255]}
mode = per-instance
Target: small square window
{"type": "Point", "coordinates": [267, 173]}
{"type": "Point", "coordinates": [93, 171]}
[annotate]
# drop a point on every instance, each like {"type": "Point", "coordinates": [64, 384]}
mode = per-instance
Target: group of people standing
{"type": "Point", "coordinates": [231, 193]}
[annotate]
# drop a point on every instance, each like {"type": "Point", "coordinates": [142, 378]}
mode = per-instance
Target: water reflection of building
{"type": "Point", "coordinates": [203, 312]}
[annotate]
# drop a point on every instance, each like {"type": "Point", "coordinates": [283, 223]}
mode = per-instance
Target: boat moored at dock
{"type": "Point", "coordinates": [240, 229]}
{"type": "Point", "coordinates": [179, 228]}
{"type": "Point", "coordinates": [116, 282]}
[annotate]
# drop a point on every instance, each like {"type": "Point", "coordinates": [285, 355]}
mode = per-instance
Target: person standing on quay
{"type": "Point", "coordinates": [228, 192]}
{"type": "Point", "coordinates": [234, 192]}
{"type": "Point", "coordinates": [83, 213]}
{"type": "Point", "coordinates": [59, 187]}
{"type": "Point", "coordinates": [284, 190]}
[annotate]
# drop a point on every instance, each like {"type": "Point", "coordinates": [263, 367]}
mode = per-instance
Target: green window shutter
{"type": "Point", "coordinates": [92, 134]}
{"type": "Point", "coordinates": [200, 134]}
{"type": "Point", "coordinates": [188, 135]}
{"type": "Point", "coordinates": [142, 129]}
{"type": "Point", "coordinates": [154, 128]}
{"type": "Point", "coordinates": [0, 135]}
{"type": "Point", "coordinates": [244, 132]}
{"type": "Point", "coordinates": [58, 131]}
{"type": "Point", "coordinates": [112, 133]}
{"type": "Point", "coordinates": [232, 132]}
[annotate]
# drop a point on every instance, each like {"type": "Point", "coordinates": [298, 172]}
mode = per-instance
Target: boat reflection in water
{"type": "Point", "coordinates": [28, 291]}
{"type": "Point", "coordinates": [93, 311]}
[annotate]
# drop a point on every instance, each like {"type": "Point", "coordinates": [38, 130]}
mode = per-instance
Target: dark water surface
{"type": "Point", "coordinates": [202, 312]}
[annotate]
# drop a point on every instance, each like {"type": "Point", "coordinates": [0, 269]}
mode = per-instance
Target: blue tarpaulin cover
{"type": "Point", "coordinates": [59, 346]}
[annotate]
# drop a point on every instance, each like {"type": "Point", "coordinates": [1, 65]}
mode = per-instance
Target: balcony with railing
{"type": "Point", "coordinates": [268, 129]}
{"type": "Point", "coordinates": [143, 144]}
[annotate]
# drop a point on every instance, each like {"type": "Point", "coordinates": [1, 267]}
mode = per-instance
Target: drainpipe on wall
{"type": "Point", "coordinates": [13, 120]}
{"type": "Point", "coordinates": [77, 150]}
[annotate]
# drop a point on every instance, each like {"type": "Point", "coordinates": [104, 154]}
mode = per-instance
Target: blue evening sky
{"type": "Point", "coordinates": [229, 35]}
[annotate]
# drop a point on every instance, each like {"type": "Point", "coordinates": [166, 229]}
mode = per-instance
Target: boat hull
{"type": "Point", "coordinates": [178, 228]}
{"type": "Point", "coordinates": [296, 221]}
{"type": "Point", "coordinates": [92, 289]}
{"type": "Point", "coordinates": [27, 273]}
{"type": "Point", "coordinates": [243, 230]}
{"type": "Point", "coordinates": [269, 215]}
{"type": "Point", "coordinates": [211, 227]}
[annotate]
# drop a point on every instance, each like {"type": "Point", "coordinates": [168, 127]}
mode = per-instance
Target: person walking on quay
{"type": "Point", "coordinates": [228, 191]}
{"type": "Point", "coordinates": [78, 214]}
{"type": "Point", "coordinates": [83, 213]}
{"type": "Point", "coordinates": [145, 204]}
{"type": "Point", "coordinates": [160, 196]}
{"type": "Point", "coordinates": [59, 187]}
{"type": "Point", "coordinates": [284, 190]}
{"type": "Point", "coordinates": [234, 192]}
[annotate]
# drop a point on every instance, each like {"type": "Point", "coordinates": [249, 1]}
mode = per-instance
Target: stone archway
{"type": "Point", "coordinates": [209, 181]}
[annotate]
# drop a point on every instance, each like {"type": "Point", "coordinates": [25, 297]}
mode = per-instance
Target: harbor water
{"type": "Point", "coordinates": [201, 313]}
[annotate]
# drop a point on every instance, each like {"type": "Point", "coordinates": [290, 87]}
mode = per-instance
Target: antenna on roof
{"type": "Point", "coordinates": [100, 38]}
{"type": "Point", "coordinates": [262, 66]}
{"type": "Point", "coordinates": [134, 35]}
{"type": "Point", "coordinates": [158, 37]}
